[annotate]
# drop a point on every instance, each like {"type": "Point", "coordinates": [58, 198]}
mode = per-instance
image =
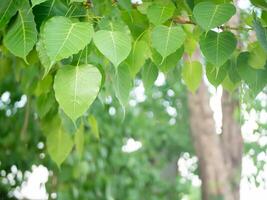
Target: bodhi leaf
{"type": "Point", "coordinates": [216, 75]}
{"type": "Point", "coordinates": [192, 74]}
{"type": "Point", "coordinates": [115, 45]}
{"type": "Point", "coordinates": [149, 74]}
{"type": "Point", "coordinates": [158, 14]}
{"type": "Point", "coordinates": [257, 56]}
{"type": "Point", "coordinates": [63, 38]}
{"type": "Point", "coordinates": [76, 87]}
{"type": "Point", "coordinates": [166, 40]}
{"type": "Point", "coordinates": [137, 57]}
{"type": "Point", "coordinates": [218, 47]}
{"type": "Point", "coordinates": [261, 33]}
{"type": "Point", "coordinates": [22, 36]}
{"type": "Point", "coordinates": [7, 10]}
{"type": "Point", "coordinates": [209, 15]}
{"type": "Point", "coordinates": [93, 126]}
{"type": "Point", "coordinates": [59, 145]}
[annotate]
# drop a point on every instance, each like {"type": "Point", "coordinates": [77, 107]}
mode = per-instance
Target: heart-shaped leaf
{"type": "Point", "coordinates": [149, 74]}
{"type": "Point", "coordinates": [209, 15]}
{"type": "Point", "coordinates": [7, 10]}
{"type": "Point", "coordinates": [158, 14]}
{"type": "Point", "coordinates": [218, 47]}
{"type": "Point", "coordinates": [261, 33]}
{"type": "Point", "coordinates": [115, 45]}
{"type": "Point", "coordinates": [22, 36]}
{"type": "Point", "coordinates": [216, 75]}
{"type": "Point", "coordinates": [166, 40]}
{"type": "Point", "coordinates": [76, 87]}
{"type": "Point", "coordinates": [63, 38]}
{"type": "Point", "coordinates": [192, 74]}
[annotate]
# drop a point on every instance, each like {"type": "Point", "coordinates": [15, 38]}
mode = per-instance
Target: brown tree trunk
{"type": "Point", "coordinates": [219, 156]}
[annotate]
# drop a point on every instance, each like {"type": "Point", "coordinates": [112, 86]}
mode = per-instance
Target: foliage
{"type": "Point", "coordinates": [64, 54]}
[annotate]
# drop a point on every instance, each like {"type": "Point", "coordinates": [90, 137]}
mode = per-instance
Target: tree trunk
{"type": "Point", "coordinates": [219, 156]}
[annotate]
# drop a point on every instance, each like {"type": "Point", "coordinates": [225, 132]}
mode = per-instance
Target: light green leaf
{"type": "Point", "coordinates": [76, 87]}
{"type": "Point", "coordinates": [209, 15]}
{"type": "Point", "coordinates": [149, 74]}
{"type": "Point", "coordinates": [93, 126]}
{"type": "Point", "coordinates": [115, 45]}
{"type": "Point", "coordinates": [158, 14]}
{"type": "Point", "coordinates": [166, 40]}
{"type": "Point", "coordinates": [192, 74]}
{"type": "Point", "coordinates": [257, 57]}
{"type": "Point", "coordinates": [79, 141]}
{"type": "Point", "coordinates": [36, 2]}
{"type": "Point", "coordinates": [229, 85]}
{"type": "Point", "coordinates": [59, 145]}
{"type": "Point", "coordinates": [8, 8]}
{"type": "Point", "coordinates": [137, 57]}
{"type": "Point", "coordinates": [123, 84]}
{"type": "Point", "coordinates": [261, 33]}
{"type": "Point", "coordinates": [216, 75]}
{"type": "Point", "coordinates": [22, 36]}
{"type": "Point", "coordinates": [218, 47]}
{"type": "Point", "coordinates": [63, 38]}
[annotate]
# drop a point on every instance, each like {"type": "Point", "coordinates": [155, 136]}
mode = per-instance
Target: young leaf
{"type": "Point", "coordinates": [22, 36]}
{"type": "Point", "coordinates": [166, 40]}
{"type": "Point", "coordinates": [149, 74]}
{"type": "Point", "coordinates": [93, 126]}
{"type": "Point", "coordinates": [218, 47]}
{"type": "Point", "coordinates": [8, 8]}
{"type": "Point", "coordinates": [137, 57]}
{"type": "Point", "coordinates": [192, 74]}
{"type": "Point", "coordinates": [115, 45]}
{"type": "Point", "coordinates": [76, 87]}
{"type": "Point", "coordinates": [59, 145]}
{"type": "Point", "coordinates": [209, 15]}
{"type": "Point", "coordinates": [158, 14]}
{"type": "Point", "coordinates": [64, 38]}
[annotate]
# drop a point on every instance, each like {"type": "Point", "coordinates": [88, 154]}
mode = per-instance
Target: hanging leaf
{"type": "Point", "coordinates": [229, 85]}
{"type": "Point", "coordinates": [76, 87]}
{"type": "Point", "coordinates": [149, 74]}
{"type": "Point", "coordinates": [79, 141]}
{"type": "Point", "coordinates": [158, 14]}
{"type": "Point", "coordinates": [22, 36]}
{"type": "Point", "coordinates": [261, 33]}
{"type": "Point", "coordinates": [192, 74]}
{"type": "Point", "coordinates": [218, 47]}
{"type": "Point", "coordinates": [115, 45]}
{"type": "Point", "coordinates": [8, 9]}
{"type": "Point", "coordinates": [59, 145]}
{"type": "Point", "coordinates": [255, 78]}
{"type": "Point", "coordinates": [216, 75]}
{"type": "Point", "coordinates": [137, 57]}
{"type": "Point", "coordinates": [93, 126]}
{"type": "Point", "coordinates": [209, 15]}
{"type": "Point", "coordinates": [63, 38]}
{"type": "Point", "coordinates": [257, 56]}
{"type": "Point", "coordinates": [166, 40]}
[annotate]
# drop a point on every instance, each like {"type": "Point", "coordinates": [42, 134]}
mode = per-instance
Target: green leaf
{"type": "Point", "coordinates": [115, 45]}
{"type": "Point", "coordinates": [8, 8]}
{"type": "Point", "coordinates": [79, 141]}
{"type": "Point", "coordinates": [216, 75]}
{"type": "Point", "coordinates": [158, 14]}
{"type": "Point", "coordinates": [166, 40]}
{"type": "Point", "coordinates": [192, 74]}
{"type": "Point", "coordinates": [257, 57]}
{"type": "Point", "coordinates": [123, 84]}
{"type": "Point", "coordinates": [59, 145]}
{"type": "Point", "coordinates": [261, 33]}
{"type": "Point", "coordinates": [137, 57]}
{"type": "Point", "coordinates": [93, 126]}
{"type": "Point", "coordinates": [63, 38]}
{"type": "Point", "coordinates": [229, 85]}
{"type": "Point", "coordinates": [209, 15]}
{"type": "Point", "coordinates": [255, 78]}
{"type": "Point", "coordinates": [22, 36]}
{"type": "Point", "coordinates": [36, 2]}
{"type": "Point", "coordinates": [218, 47]}
{"type": "Point", "coordinates": [76, 87]}
{"type": "Point", "coordinates": [149, 74]}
